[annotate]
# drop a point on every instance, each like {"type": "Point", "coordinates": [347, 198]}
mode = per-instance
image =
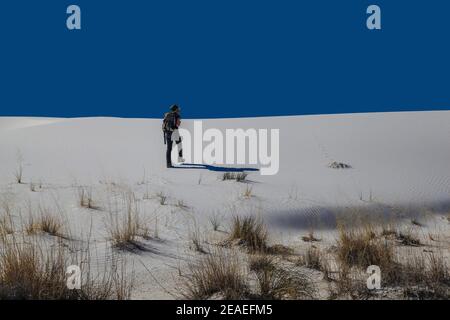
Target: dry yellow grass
{"type": "Point", "coordinates": [35, 270]}
{"type": "Point", "coordinates": [219, 273]}
{"type": "Point", "coordinates": [251, 231]}
{"type": "Point", "coordinates": [279, 282]}
{"type": "Point", "coordinates": [361, 248]}
{"type": "Point", "coordinates": [125, 227]}
{"type": "Point", "coordinates": [85, 199]}
{"type": "Point", "coordinates": [312, 259]}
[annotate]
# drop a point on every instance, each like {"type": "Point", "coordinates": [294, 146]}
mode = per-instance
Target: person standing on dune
{"type": "Point", "coordinates": [171, 123]}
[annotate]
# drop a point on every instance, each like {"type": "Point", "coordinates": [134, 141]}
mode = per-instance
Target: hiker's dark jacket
{"type": "Point", "coordinates": [173, 120]}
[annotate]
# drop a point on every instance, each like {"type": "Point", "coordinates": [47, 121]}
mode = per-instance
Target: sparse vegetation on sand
{"type": "Point", "coordinates": [49, 223]}
{"type": "Point", "coordinates": [279, 282]}
{"type": "Point", "coordinates": [361, 247]}
{"type": "Point", "coordinates": [408, 239]}
{"type": "Point", "coordinates": [223, 275]}
{"type": "Point", "coordinates": [196, 241]}
{"type": "Point", "coordinates": [250, 232]}
{"type": "Point", "coordinates": [44, 219]}
{"type": "Point", "coordinates": [407, 273]}
{"type": "Point", "coordinates": [423, 276]}
{"type": "Point", "coordinates": [312, 259]}
{"type": "Point", "coordinates": [310, 237]}
{"type": "Point", "coordinates": [219, 273]}
{"type": "Point", "coordinates": [339, 165]}
{"type": "Point", "coordinates": [248, 192]}
{"type": "Point", "coordinates": [18, 172]}
{"type": "Point", "coordinates": [237, 176]}
{"type": "Point", "coordinates": [85, 199]}
{"type": "Point", "coordinates": [162, 198]}
{"type": "Point", "coordinates": [216, 221]}
{"type": "Point", "coordinates": [181, 205]}
{"type": "Point", "coordinates": [125, 227]}
{"type": "Point", "coordinates": [6, 224]}
{"type": "Point", "coordinates": [46, 222]}
{"type": "Point", "coordinates": [36, 270]}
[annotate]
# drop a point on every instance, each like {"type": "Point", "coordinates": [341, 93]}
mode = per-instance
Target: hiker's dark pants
{"type": "Point", "coordinates": [169, 143]}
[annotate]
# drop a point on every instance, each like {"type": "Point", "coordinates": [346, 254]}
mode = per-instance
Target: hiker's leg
{"type": "Point", "coordinates": [169, 152]}
{"type": "Point", "coordinates": [177, 138]}
{"type": "Point", "coordinates": [180, 148]}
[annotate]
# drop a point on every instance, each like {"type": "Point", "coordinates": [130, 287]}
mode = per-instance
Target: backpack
{"type": "Point", "coordinates": [168, 122]}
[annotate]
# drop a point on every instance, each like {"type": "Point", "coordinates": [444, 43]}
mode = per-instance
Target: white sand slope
{"type": "Point", "coordinates": [396, 158]}
{"type": "Point", "coordinates": [399, 157]}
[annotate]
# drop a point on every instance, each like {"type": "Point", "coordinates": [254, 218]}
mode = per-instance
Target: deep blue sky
{"type": "Point", "coordinates": [222, 58]}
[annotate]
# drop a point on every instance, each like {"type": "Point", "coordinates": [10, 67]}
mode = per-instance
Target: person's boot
{"type": "Point", "coordinates": [169, 165]}
{"type": "Point", "coordinates": [180, 154]}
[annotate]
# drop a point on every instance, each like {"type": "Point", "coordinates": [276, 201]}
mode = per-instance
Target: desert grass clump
{"type": "Point", "coordinates": [408, 239]}
{"type": "Point", "coordinates": [248, 192]}
{"type": "Point", "coordinates": [439, 271]}
{"type": "Point", "coordinates": [85, 198]}
{"type": "Point", "coordinates": [6, 225]}
{"type": "Point", "coordinates": [361, 248]}
{"type": "Point", "coordinates": [6, 216]}
{"type": "Point", "coordinates": [425, 276]}
{"type": "Point", "coordinates": [388, 232]}
{"type": "Point", "coordinates": [162, 198]}
{"type": "Point", "coordinates": [144, 232]}
{"type": "Point", "coordinates": [217, 274]}
{"type": "Point", "coordinates": [310, 237]}
{"type": "Point", "coordinates": [216, 221]}
{"type": "Point", "coordinates": [42, 220]}
{"type": "Point", "coordinates": [32, 270]}
{"type": "Point", "coordinates": [181, 205]}
{"type": "Point", "coordinates": [47, 222]}
{"type": "Point", "coordinates": [312, 259]}
{"type": "Point", "coordinates": [251, 232]}
{"type": "Point", "coordinates": [276, 283]}
{"type": "Point", "coordinates": [260, 262]}
{"type": "Point", "coordinates": [18, 172]}
{"type": "Point", "coordinates": [27, 273]}
{"type": "Point", "coordinates": [348, 284]}
{"type": "Point", "coordinates": [31, 226]}
{"type": "Point", "coordinates": [125, 227]}
{"type": "Point", "coordinates": [237, 176]}
{"type": "Point", "coordinates": [279, 249]}
{"type": "Point", "coordinates": [196, 241]}
{"type": "Point", "coordinates": [50, 225]}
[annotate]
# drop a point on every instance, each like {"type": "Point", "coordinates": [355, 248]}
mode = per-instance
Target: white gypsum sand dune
{"type": "Point", "coordinates": [396, 159]}
{"type": "Point", "coordinates": [11, 123]}
{"type": "Point", "coordinates": [400, 157]}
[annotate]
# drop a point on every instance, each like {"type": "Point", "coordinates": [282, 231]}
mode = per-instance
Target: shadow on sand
{"type": "Point", "coordinates": [328, 217]}
{"type": "Point", "coordinates": [213, 168]}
